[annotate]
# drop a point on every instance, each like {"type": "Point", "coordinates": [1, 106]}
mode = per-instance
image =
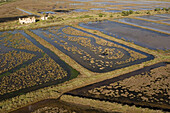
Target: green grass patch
{"type": "Point", "coordinates": [102, 15]}
{"type": "Point", "coordinates": [85, 16]}
{"type": "Point", "coordinates": [127, 13]}
{"type": "Point", "coordinates": [74, 73]}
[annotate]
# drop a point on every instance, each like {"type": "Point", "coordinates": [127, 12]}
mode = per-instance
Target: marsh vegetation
{"type": "Point", "coordinates": [24, 65]}
{"type": "Point", "coordinates": [149, 87]}
{"type": "Point", "coordinates": [92, 52]}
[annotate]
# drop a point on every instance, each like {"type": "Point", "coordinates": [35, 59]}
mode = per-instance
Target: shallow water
{"type": "Point", "coordinates": [80, 10]}
{"type": "Point", "coordinates": [150, 25]}
{"type": "Point", "coordinates": [167, 21]}
{"type": "Point", "coordinates": [82, 0]}
{"type": "Point", "coordinates": [48, 12]}
{"type": "Point", "coordinates": [76, 4]}
{"type": "Point", "coordinates": [97, 9]}
{"type": "Point", "coordinates": [106, 3]}
{"type": "Point", "coordinates": [145, 9]}
{"type": "Point", "coordinates": [130, 9]}
{"type": "Point", "coordinates": [113, 11]}
{"type": "Point", "coordinates": [139, 36]}
{"type": "Point", "coordinates": [163, 15]}
{"type": "Point", "coordinates": [25, 11]}
{"type": "Point", "coordinates": [150, 17]}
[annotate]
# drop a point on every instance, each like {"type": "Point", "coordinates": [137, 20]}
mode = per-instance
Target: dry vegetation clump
{"type": "Point", "coordinates": [51, 110]}
{"type": "Point", "coordinates": [41, 71]}
{"type": "Point", "coordinates": [72, 31]}
{"type": "Point", "coordinates": [12, 59]}
{"type": "Point", "coordinates": [151, 87]}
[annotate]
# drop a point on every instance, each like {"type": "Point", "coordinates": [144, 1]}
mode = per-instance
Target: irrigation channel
{"type": "Point", "coordinates": [91, 54]}
{"type": "Point", "coordinates": [52, 103]}
{"type": "Point", "coordinates": [83, 91]}
{"type": "Point", "coordinates": [143, 37]}
{"type": "Point", "coordinates": [52, 55]}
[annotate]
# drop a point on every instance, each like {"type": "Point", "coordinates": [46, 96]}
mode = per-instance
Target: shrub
{"type": "Point", "coordinates": [51, 17]}
{"type": "Point", "coordinates": [130, 12]}
{"type": "Point", "coordinates": [101, 14]}
{"type": "Point", "coordinates": [125, 13]}
{"type": "Point", "coordinates": [164, 9]}
{"type": "Point", "coordinates": [148, 12]}
{"type": "Point", "coordinates": [137, 12]}
{"type": "Point", "coordinates": [157, 9]}
{"type": "Point", "coordinates": [167, 9]}
{"type": "Point", "coordinates": [86, 16]}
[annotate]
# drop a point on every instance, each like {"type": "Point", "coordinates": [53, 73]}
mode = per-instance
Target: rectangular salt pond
{"type": "Point", "coordinates": [150, 17]}
{"type": "Point", "coordinates": [150, 25]}
{"type": "Point", "coordinates": [139, 36]}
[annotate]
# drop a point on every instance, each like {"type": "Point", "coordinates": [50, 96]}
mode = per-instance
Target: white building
{"type": "Point", "coordinates": [45, 17]}
{"type": "Point", "coordinates": [27, 20]}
